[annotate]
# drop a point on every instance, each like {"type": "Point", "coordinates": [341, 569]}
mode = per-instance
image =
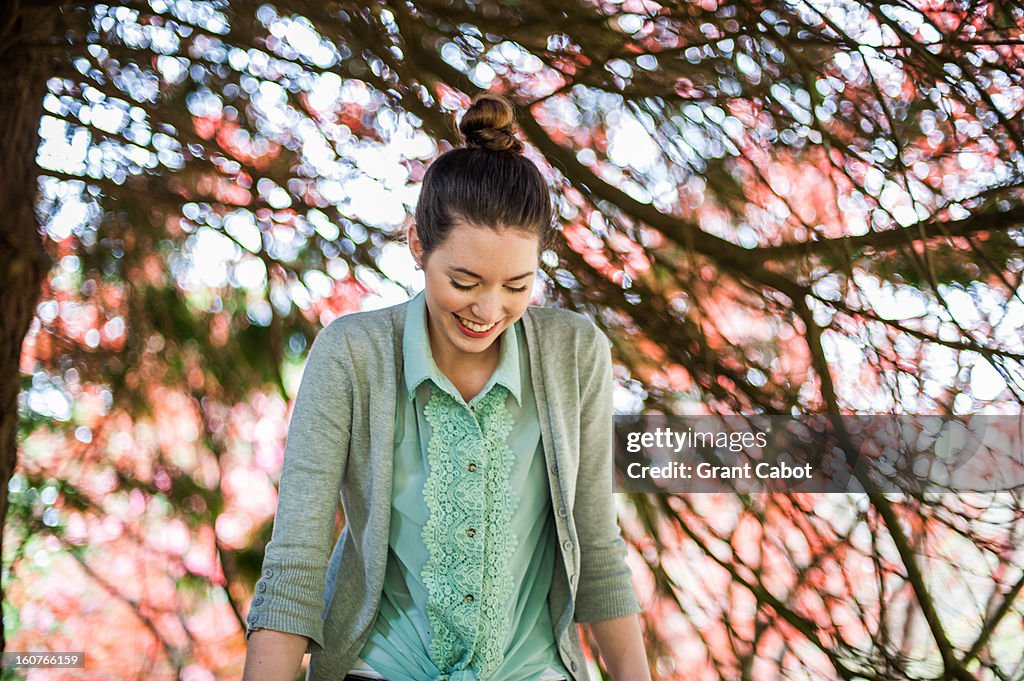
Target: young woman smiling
{"type": "Point", "coordinates": [468, 436]}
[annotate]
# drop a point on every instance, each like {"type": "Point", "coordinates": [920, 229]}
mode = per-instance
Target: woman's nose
{"type": "Point", "coordinates": [485, 308]}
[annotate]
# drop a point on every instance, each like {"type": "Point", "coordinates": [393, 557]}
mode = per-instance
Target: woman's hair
{"type": "Point", "coordinates": [487, 182]}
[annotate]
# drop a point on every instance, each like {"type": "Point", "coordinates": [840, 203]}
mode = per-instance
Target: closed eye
{"type": "Point", "coordinates": [466, 287]}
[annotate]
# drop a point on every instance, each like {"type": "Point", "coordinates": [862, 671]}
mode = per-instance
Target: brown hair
{"type": "Point", "coordinates": [487, 182]}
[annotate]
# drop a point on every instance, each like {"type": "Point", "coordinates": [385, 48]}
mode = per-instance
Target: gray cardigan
{"type": "Point", "coordinates": [340, 443]}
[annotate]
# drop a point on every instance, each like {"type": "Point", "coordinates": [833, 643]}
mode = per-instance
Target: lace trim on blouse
{"type": "Point", "coordinates": [468, 534]}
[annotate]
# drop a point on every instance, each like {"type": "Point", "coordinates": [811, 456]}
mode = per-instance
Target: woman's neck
{"type": "Point", "coordinates": [465, 366]}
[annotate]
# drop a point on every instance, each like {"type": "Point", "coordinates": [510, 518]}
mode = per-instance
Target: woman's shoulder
{"type": "Point", "coordinates": [364, 329]}
{"type": "Point", "coordinates": [368, 321]}
{"type": "Point", "coordinates": [567, 328]}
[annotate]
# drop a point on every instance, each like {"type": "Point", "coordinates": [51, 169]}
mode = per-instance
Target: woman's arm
{"type": "Point", "coordinates": [285, 618]}
{"type": "Point", "coordinates": [605, 599]}
{"type": "Point", "coordinates": [621, 646]}
{"type": "Point", "coordinates": [273, 656]}
{"type": "Point", "coordinates": [289, 595]}
{"type": "Point", "coordinates": [604, 588]}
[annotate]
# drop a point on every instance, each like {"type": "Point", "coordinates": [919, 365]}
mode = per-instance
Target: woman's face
{"type": "Point", "coordinates": [477, 284]}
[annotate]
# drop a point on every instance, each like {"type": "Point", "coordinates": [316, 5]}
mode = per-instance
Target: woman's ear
{"type": "Point", "coordinates": [415, 247]}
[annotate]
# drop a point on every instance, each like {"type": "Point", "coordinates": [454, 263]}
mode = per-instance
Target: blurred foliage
{"type": "Point", "coordinates": [779, 207]}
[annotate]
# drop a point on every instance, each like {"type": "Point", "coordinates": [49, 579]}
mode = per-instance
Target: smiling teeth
{"type": "Point", "coordinates": [475, 327]}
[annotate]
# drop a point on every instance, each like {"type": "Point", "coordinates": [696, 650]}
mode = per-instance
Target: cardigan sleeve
{"type": "Point", "coordinates": [289, 595]}
{"type": "Point", "coordinates": [605, 589]}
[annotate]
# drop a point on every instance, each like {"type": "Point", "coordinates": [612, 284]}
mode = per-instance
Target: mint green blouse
{"type": "Point", "coordinates": [471, 549]}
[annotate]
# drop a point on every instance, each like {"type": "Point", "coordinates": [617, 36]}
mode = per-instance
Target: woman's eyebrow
{"type": "Point", "coordinates": [463, 270]}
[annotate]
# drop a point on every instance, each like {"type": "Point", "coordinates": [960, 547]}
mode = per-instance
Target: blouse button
{"type": "Point", "coordinates": [469, 598]}
{"type": "Point", "coordinates": [567, 545]}
{"type": "Point", "coordinates": [562, 512]}
{"type": "Point", "coordinates": [471, 468]}
{"type": "Point", "coordinates": [471, 532]}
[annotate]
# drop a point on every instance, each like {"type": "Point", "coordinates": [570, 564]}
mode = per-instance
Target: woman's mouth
{"type": "Point", "coordinates": [472, 329]}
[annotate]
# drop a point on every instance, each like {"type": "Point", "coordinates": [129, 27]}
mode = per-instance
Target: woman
{"type": "Point", "coordinates": [469, 437]}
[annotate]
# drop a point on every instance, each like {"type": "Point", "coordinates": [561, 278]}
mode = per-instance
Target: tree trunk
{"type": "Point", "coordinates": [26, 31]}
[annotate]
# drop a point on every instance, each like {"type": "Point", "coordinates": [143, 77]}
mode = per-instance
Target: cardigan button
{"type": "Point", "coordinates": [268, 573]}
{"type": "Point", "coordinates": [257, 600]}
{"type": "Point", "coordinates": [261, 587]}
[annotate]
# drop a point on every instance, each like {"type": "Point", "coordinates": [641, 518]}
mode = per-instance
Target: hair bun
{"type": "Point", "coordinates": [489, 123]}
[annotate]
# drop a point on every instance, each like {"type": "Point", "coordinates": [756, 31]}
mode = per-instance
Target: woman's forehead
{"type": "Point", "coordinates": [503, 243]}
